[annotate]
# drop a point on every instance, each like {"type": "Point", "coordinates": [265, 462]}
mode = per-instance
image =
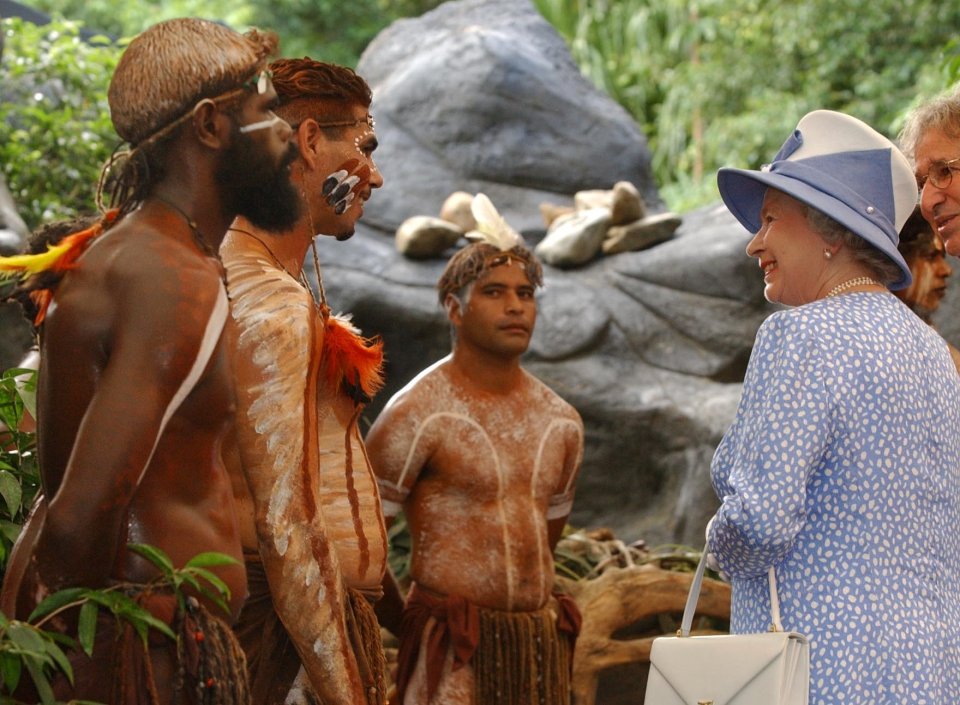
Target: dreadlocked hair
{"type": "Point", "coordinates": [129, 175]}
{"type": "Point", "coordinates": [303, 83]}
{"type": "Point", "coordinates": [474, 260]}
{"type": "Point", "coordinates": [52, 250]}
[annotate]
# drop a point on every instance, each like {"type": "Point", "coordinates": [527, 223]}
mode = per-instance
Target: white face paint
{"type": "Point", "coordinates": [261, 125]}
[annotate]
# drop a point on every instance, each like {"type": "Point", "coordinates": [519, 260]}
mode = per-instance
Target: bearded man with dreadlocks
{"type": "Point", "coordinates": [135, 386]}
{"type": "Point", "coordinates": [312, 530]}
{"type": "Point", "coordinates": [482, 457]}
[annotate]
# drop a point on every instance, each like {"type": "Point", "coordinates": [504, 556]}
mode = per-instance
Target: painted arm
{"type": "Point", "coordinates": [167, 327]}
{"type": "Point", "coordinates": [397, 458]}
{"type": "Point", "coordinates": [764, 462]}
{"type": "Point", "coordinates": [276, 369]}
{"type": "Point", "coordinates": [561, 502]}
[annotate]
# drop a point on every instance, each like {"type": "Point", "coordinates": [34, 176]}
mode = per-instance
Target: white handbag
{"type": "Point", "coordinates": [729, 669]}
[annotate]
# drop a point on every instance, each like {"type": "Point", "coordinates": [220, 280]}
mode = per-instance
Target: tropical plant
{"type": "Point", "coordinates": [327, 30]}
{"type": "Point", "coordinates": [715, 82]}
{"type": "Point", "coordinates": [19, 474]}
{"type": "Point", "coordinates": [42, 653]}
{"type": "Point", "coordinates": [55, 130]}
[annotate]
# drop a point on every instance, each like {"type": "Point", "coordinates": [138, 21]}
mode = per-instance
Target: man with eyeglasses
{"type": "Point", "coordinates": [482, 458]}
{"type": "Point", "coordinates": [313, 536]}
{"type": "Point", "coordinates": [931, 138]}
{"type": "Point", "coordinates": [135, 388]}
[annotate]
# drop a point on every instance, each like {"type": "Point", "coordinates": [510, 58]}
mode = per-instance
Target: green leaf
{"type": "Point", "coordinates": [10, 530]}
{"type": "Point", "coordinates": [56, 601]}
{"type": "Point", "coordinates": [188, 578]}
{"type": "Point", "coordinates": [87, 626]}
{"type": "Point", "coordinates": [150, 621]}
{"type": "Point", "coordinates": [40, 680]}
{"type": "Point", "coordinates": [11, 492]}
{"type": "Point", "coordinates": [63, 663]}
{"type": "Point", "coordinates": [26, 638]}
{"type": "Point", "coordinates": [210, 559]}
{"type": "Point", "coordinates": [10, 669]}
{"type": "Point", "coordinates": [153, 554]}
{"type": "Point", "coordinates": [215, 581]}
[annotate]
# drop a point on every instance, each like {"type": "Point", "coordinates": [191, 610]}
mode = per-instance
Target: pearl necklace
{"type": "Point", "coordinates": [850, 283]}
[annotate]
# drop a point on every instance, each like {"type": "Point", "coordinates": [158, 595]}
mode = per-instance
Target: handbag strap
{"type": "Point", "coordinates": [694, 595]}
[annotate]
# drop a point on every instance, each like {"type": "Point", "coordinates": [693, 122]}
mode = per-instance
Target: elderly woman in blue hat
{"type": "Point", "coordinates": [841, 470]}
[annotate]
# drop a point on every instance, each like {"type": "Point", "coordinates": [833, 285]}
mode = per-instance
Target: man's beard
{"type": "Point", "coordinates": [257, 187]}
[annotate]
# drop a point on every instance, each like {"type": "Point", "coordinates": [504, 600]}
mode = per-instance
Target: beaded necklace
{"type": "Point", "coordinates": [201, 242]}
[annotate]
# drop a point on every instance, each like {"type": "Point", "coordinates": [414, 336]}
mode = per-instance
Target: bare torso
{"type": "Point", "coordinates": [309, 500]}
{"type": "Point", "coordinates": [135, 396]}
{"type": "Point", "coordinates": [482, 471]}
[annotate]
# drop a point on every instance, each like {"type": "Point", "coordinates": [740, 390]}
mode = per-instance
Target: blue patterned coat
{"type": "Point", "coordinates": [842, 470]}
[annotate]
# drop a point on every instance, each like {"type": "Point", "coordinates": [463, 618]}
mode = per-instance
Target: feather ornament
{"type": "Point", "coordinates": [57, 258]}
{"type": "Point", "coordinates": [491, 227]}
{"type": "Point", "coordinates": [350, 360]}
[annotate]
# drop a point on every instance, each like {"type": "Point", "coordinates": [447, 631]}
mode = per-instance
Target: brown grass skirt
{"type": "Point", "coordinates": [521, 659]}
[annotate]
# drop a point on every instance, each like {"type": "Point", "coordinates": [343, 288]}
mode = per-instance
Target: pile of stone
{"type": "Point", "coordinates": [608, 221]}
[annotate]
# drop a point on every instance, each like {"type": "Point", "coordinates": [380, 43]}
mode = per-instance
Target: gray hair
{"type": "Point", "coordinates": [884, 269]}
{"type": "Point", "coordinates": [942, 112]}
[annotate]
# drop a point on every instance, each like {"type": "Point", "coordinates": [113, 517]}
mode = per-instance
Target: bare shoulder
{"type": "Point", "coordinates": [136, 257]}
{"type": "Point", "coordinates": [423, 394]}
{"type": "Point", "coordinates": [543, 400]}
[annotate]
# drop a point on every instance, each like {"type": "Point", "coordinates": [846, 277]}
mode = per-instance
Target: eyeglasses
{"type": "Point", "coordinates": [366, 119]}
{"type": "Point", "coordinates": [940, 174]}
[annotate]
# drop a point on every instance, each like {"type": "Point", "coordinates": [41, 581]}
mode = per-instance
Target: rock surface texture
{"type": "Point", "coordinates": [650, 346]}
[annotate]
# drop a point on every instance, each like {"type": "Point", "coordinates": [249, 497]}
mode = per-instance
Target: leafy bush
{"type": "Point", "coordinates": [55, 130]}
{"type": "Point", "coordinates": [19, 474]}
{"type": "Point", "coordinates": [27, 646]}
{"type": "Point", "coordinates": [722, 82]}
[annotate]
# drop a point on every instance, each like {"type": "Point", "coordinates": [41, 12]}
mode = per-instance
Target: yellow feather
{"type": "Point", "coordinates": [26, 265]}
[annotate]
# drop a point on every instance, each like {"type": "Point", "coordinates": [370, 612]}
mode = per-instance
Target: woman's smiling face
{"type": "Point", "coordinates": [788, 250]}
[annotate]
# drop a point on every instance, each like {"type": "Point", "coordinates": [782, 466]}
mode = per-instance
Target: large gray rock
{"type": "Point", "coordinates": [649, 346]}
{"type": "Point", "coordinates": [482, 95]}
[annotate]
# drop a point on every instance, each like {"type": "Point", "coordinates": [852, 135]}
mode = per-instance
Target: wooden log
{"type": "Point", "coordinates": [622, 597]}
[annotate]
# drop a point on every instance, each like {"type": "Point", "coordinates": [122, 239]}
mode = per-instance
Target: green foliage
{"type": "Point", "coordinates": [125, 19]}
{"type": "Point", "coordinates": [55, 130]}
{"type": "Point", "coordinates": [717, 82]}
{"type": "Point", "coordinates": [327, 30]}
{"type": "Point", "coordinates": [331, 30]}
{"type": "Point", "coordinates": [19, 475]}
{"type": "Point", "coordinates": [27, 645]}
